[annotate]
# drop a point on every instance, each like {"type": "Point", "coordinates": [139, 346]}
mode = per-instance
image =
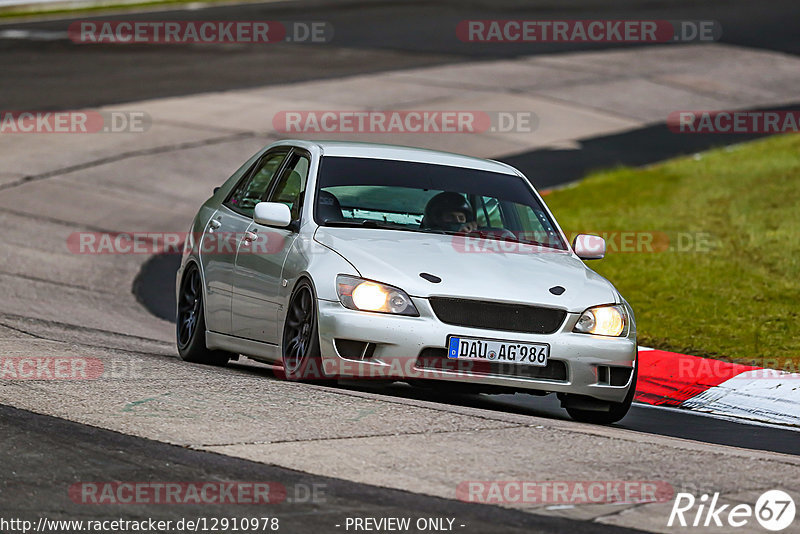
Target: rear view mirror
{"type": "Point", "coordinates": [589, 247]}
{"type": "Point", "coordinates": [272, 214]}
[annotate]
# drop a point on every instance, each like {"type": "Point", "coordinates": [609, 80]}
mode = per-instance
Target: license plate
{"type": "Point", "coordinates": [497, 351]}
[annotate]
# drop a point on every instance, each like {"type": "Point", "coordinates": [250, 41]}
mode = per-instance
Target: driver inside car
{"type": "Point", "coordinates": [450, 212]}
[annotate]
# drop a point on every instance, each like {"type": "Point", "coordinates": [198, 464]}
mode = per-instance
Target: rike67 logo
{"type": "Point", "coordinates": [774, 510]}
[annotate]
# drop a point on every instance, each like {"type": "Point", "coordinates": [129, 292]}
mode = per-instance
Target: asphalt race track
{"type": "Point", "coordinates": [375, 450]}
{"type": "Point", "coordinates": [100, 454]}
{"type": "Point", "coordinates": [368, 36]}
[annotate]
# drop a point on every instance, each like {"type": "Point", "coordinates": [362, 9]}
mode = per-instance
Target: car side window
{"type": "Point", "coordinates": [252, 189]}
{"type": "Point", "coordinates": [292, 184]}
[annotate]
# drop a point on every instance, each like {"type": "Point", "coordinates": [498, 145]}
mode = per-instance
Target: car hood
{"type": "Point", "coordinates": [477, 271]}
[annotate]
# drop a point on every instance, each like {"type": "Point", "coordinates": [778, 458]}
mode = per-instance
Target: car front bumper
{"type": "Point", "coordinates": [393, 345]}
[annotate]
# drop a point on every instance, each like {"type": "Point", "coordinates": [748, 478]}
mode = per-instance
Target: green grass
{"type": "Point", "coordinates": [736, 297]}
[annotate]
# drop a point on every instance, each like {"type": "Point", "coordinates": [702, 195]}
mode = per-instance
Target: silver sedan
{"type": "Point", "coordinates": [358, 261]}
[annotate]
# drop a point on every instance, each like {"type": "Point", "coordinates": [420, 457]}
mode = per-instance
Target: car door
{"type": "Point", "coordinates": [261, 255]}
{"type": "Point", "coordinates": [222, 235]}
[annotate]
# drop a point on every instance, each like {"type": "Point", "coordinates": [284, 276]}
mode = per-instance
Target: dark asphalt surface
{"type": "Point", "coordinates": [368, 36]}
{"type": "Point", "coordinates": [641, 418]}
{"type": "Point", "coordinates": [42, 456]}
{"type": "Point", "coordinates": [553, 167]}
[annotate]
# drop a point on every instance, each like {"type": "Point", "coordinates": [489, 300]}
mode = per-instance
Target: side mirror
{"type": "Point", "coordinates": [272, 214]}
{"type": "Point", "coordinates": [589, 247]}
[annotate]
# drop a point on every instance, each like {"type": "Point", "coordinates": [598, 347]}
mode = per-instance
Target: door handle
{"type": "Point", "coordinates": [214, 224]}
{"type": "Point", "coordinates": [249, 236]}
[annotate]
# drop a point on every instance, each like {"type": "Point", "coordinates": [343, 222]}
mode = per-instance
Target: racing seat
{"type": "Point", "coordinates": [328, 207]}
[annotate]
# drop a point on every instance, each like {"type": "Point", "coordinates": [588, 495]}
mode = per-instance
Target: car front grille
{"type": "Point", "coordinates": [433, 358]}
{"type": "Point", "coordinates": [497, 316]}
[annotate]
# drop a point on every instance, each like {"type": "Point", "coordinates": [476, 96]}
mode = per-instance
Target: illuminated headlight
{"type": "Point", "coordinates": [603, 321]}
{"type": "Point", "coordinates": [366, 295]}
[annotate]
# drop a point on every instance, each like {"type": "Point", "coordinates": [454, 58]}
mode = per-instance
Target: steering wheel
{"type": "Point", "coordinates": [502, 233]}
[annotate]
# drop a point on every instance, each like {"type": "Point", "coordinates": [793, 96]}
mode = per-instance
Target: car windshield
{"type": "Point", "coordinates": [424, 197]}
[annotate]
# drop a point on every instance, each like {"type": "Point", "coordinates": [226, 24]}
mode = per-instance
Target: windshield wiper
{"type": "Point", "coordinates": [369, 223]}
{"type": "Point", "coordinates": [366, 223]}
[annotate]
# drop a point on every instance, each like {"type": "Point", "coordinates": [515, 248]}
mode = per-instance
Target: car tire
{"type": "Point", "coordinates": [190, 328]}
{"type": "Point", "coordinates": [616, 411]}
{"type": "Point", "coordinates": [300, 352]}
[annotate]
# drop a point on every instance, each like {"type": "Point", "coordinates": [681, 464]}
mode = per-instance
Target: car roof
{"type": "Point", "coordinates": [401, 153]}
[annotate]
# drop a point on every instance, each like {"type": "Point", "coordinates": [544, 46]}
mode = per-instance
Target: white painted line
{"type": "Point", "coordinates": [33, 35]}
{"type": "Point", "coordinates": [763, 395]}
{"type": "Point", "coordinates": [729, 418]}
{"type": "Point", "coordinates": [25, 2]}
{"type": "Point", "coordinates": [103, 8]}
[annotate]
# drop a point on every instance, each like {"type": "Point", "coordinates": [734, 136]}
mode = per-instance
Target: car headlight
{"type": "Point", "coordinates": [603, 321]}
{"type": "Point", "coordinates": [366, 295]}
